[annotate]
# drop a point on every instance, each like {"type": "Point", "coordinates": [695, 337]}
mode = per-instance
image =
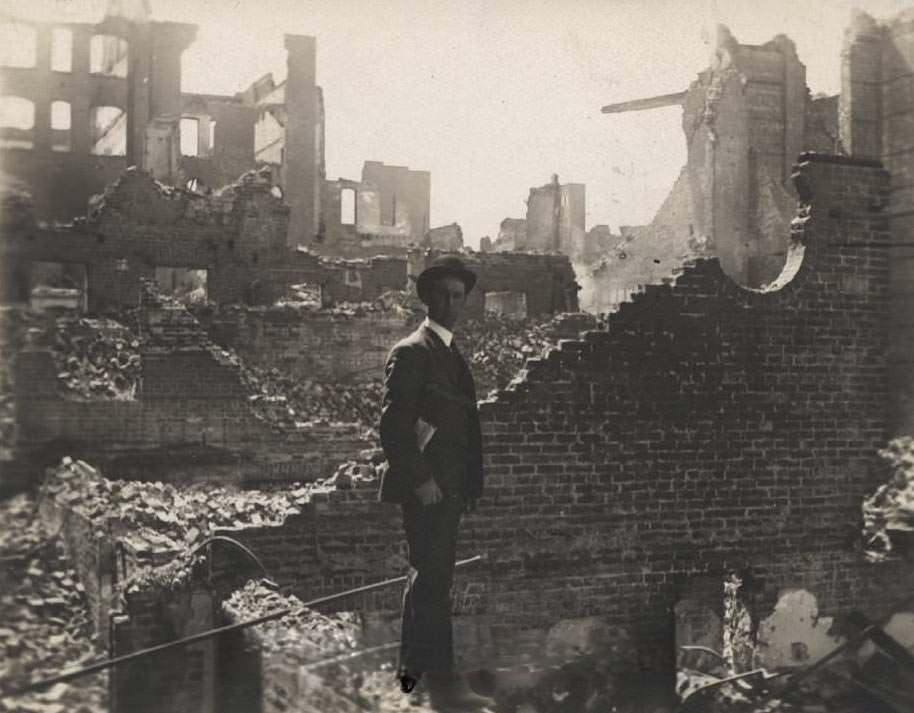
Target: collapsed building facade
{"type": "Point", "coordinates": [83, 101]}
{"type": "Point", "coordinates": [710, 426]}
{"type": "Point", "coordinates": [554, 221]}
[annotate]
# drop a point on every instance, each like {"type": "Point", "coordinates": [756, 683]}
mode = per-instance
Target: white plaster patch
{"type": "Point", "coordinates": [794, 634]}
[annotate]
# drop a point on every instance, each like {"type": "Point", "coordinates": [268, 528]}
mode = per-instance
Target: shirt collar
{"type": "Point", "coordinates": [446, 334]}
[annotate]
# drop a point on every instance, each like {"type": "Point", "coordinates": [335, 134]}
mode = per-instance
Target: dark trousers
{"type": "Point", "coordinates": [431, 535]}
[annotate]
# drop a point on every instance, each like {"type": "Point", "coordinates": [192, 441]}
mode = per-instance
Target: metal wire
{"type": "Point", "coordinates": [194, 638]}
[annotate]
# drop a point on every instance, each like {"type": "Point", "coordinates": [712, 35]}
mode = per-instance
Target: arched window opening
{"type": "Point", "coordinates": [190, 136]}
{"type": "Point", "coordinates": [61, 50]}
{"type": "Point", "coordinates": [108, 55]}
{"type": "Point", "coordinates": [347, 206]}
{"type": "Point", "coordinates": [17, 45]}
{"type": "Point", "coordinates": [60, 126]}
{"type": "Point", "coordinates": [17, 123]}
{"type": "Point", "coordinates": [109, 131]}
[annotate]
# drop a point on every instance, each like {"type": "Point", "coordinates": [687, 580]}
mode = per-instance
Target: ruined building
{"type": "Point", "coordinates": [388, 210]}
{"type": "Point", "coordinates": [81, 102]}
{"type": "Point", "coordinates": [745, 119]}
{"type": "Point", "coordinates": [554, 222]}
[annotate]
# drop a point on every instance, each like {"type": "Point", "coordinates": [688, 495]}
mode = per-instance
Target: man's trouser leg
{"type": "Point", "coordinates": [426, 635]}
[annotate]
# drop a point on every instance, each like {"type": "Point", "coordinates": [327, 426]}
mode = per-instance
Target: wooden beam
{"type": "Point", "coordinates": [641, 104]}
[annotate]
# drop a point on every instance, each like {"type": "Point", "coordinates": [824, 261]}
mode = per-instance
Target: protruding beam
{"type": "Point", "coordinates": [641, 104]}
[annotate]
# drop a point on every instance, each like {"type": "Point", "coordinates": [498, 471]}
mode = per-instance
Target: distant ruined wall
{"type": "Point", "coordinates": [877, 121]}
{"type": "Point", "coordinates": [548, 281]}
{"type": "Point", "coordinates": [61, 182]}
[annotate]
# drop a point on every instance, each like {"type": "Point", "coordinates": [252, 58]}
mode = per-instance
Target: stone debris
{"type": "Point", "coordinates": [888, 514]}
{"type": "Point", "coordinates": [96, 359]}
{"type": "Point", "coordinates": [497, 347]}
{"type": "Point", "coordinates": [309, 633]}
{"type": "Point", "coordinates": [151, 517]}
{"type": "Point", "coordinates": [45, 624]}
{"type": "Point", "coordinates": [301, 296]}
{"type": "Point", "coordinates": [289, 403]}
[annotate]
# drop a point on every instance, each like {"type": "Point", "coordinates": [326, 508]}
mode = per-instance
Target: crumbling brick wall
{"type": "Point", "coordinates": [325, 345]}
{"type": "Point", "coordinates": [711, 428]}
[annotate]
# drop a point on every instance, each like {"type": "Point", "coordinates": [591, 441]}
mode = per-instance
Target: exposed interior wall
{"type": "Point", "coordinates": [61, 182]}
{"type": "Point", "coordinates": [404, 195]}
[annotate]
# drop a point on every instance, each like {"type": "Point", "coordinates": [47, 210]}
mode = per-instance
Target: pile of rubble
{"type": "Point", "coordinates": [44, 618]}
{"type": "Point", "coordinates": [289, 403]}
{"type": "Point", "coordinates": [96, 359]}
{"type": "Point", "coordinates": [888, 514]}
{"type": "Point", "coordinates": [308, 632]}
{"type": "Point", "coordinates": [302, 296]}
{"type": "Point", "coordinates": [154, 517]}
{"type": "Point", "coordinates": [496, 347]}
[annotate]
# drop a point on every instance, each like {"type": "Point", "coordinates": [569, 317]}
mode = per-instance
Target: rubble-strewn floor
{"type": "Point", "coordinates": [44, 619]}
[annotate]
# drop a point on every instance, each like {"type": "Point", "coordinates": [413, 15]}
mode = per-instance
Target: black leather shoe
{"type": "Point", "coordinates": [408, 681]}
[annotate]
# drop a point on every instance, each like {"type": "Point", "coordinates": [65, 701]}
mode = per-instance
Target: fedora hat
{"type": "Point", "coordinates": [444, 266]}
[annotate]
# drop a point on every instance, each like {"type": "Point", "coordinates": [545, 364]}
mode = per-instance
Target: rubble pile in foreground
{"type": "Point", "coordinates": [44, 618]}
{"type": "Point", "coordinates": [155, 516]}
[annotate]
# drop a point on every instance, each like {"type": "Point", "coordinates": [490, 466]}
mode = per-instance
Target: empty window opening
{"type": "Point", "coordinates": [17, 122]}
{"type": "Point", "coordinates": [190, 137]}
{"type": "Point", "coordinates": [212, 136]}
{"type": "Point", "coordinates": [347, 206]}
{"type": "Point", "coordinates": [108, 55]}
{"type": "Point", "coordinates": [507, 304]}
{"type": "Point", "coordinates": [61, 50]}
{"type": "Point", "coordinates": [58, 285]}
{"type": "Point", "coordinates": [109, 131]}
{"type": "Point", "coordinates": [60, 126]}
{"type": "Point", "coordinates": [17, 45]}
{"type": "Point", "coordinates": [186, 284]}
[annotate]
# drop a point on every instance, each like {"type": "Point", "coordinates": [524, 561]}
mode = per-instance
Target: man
{"type": "Point", "coordinates": [431, 437]}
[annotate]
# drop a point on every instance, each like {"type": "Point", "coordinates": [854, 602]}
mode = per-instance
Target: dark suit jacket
{"type": "Point", "coordinates": [425, 379]}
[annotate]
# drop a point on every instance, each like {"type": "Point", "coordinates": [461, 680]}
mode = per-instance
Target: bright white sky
{"type": "Point", "coordinates": [493, 96]}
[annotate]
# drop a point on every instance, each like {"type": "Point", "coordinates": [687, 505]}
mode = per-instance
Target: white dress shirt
{"type": "Point", "coordinates": [446, 334]}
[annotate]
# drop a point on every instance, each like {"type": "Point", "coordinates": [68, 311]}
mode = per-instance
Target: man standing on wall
{"type": "Point", "coordinates": [432, 440]}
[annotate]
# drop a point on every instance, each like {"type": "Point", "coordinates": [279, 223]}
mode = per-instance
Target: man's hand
{"type": "Point", "coordinates": [429, 493]}
{"type": "Point", "coordinates": [469, 505]}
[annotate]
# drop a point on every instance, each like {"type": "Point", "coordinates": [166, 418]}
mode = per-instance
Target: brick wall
{"type": "Point", "coordinates": [710, 429]}
{"type": "Point", "coordinates": [325, 345]}
{"type": "Point", "coordinates": [192, 420]}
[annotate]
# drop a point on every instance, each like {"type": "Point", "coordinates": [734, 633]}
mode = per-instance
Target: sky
{"type": "Point", "coordinates": [493, 97]}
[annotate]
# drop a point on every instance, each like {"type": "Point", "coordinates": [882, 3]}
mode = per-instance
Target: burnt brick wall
{"type": "Point", "coordinates": [710, 429]}
{"type": "Point", "coordinates": [309, 345]}
{"type": "Point", "coordinates": [187, 402]}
